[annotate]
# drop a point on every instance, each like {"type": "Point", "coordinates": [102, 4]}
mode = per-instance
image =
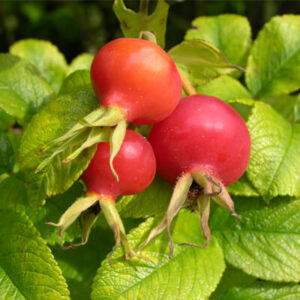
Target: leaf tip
{"type": "Point", "coordinates": [52, 224]}
{"type": "Point", "coordinates": [238, 217]}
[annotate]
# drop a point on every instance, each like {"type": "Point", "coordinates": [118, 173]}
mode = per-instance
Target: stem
{"type": "Point", "coordinates": [113, 219]}
{"type": "Point", "coordinates": [88, 219]}
{"type": "Point", "coordinates": [144, 6]}
{"type": "Point", "coordinates": [203, 208]}
{"type": "Point", "coordinates": [187, 86]}
{"type": "Point", "coordinates": [149, 36]}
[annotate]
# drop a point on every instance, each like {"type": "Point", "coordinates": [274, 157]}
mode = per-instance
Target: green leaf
{"type": "Point", "coordinates": [26, 263]}
{"type": "Point", "coordinates": [275, 157]}
{"type": "Point", "coordinates": [297, 110]}
{"type": "Point", "coordinates": [232, 277]}
{"type": "Point", "coordinates": [133, 23]}
{"type": "Point", "coordinates": [14, 196]}
{"type": "Point", "coordinates": [7, 158]}
{"type": "Point", "coordinates": [22, 90]}
{"type": "Point", "coordinates": [8, 289]}
{"type": "Point", "coordinates": [263, 291]}
{"type": "Point", "coordinates": [229, 33]}
{"type": "Point", "coordinates": [247, 203]}
{"type": "Point", "coordinates": [45, 56]}
{"type": "Point", "coordinates": [283, 104]}
{"type": "Point", "coordinates": [77, 83]}
{"type": "Point", "coordinates": [201, 61]}
{"type": "Point", "coordinates": [55, 119]}
{"type": "Point", "coordinates": [18, 196]}
{"type": "Point", "coordinates": [225, 88]}
{"type": "Point", "coordinates": [242, 187]}
{"type": "Point", "coordinates": [79, 273]}
{"type": "Point", "coordinates": [5, 120]}
{"type": "Point", "coordinates": [163, 278]}
{"type": "Point", "coordinates": [243, 106]}
{"type": "Point", "coordinates": [153, 200]}
{"type": "Point", "coordinates": [14, 136]}
{"type": "Point", "coordinates": [52, 211]}
{"type": "Point", "coordinates": [81, 62]}
{"type": "Point", "coordinates": [273, 64]}
{"type": "Point", "coordinates": [265, 243]}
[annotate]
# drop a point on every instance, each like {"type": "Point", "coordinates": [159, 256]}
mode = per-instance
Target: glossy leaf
{"type": "Point", "coordinates": [225, 88]}
{"type": "Point", "coordinates": [45, 56]}
{"type": "Point", "coordinates": [79, 273]}
{"type": "Point", "coordinates": [26, 264]}
{"type": "Point", "coordinates": [232, 277]}
{"type": "Point", "coordinates": [133, 23]}
{"type": "Point", "coordinates": [192, 273]}
{"type": "Point", "coordinates": [77, 83]}
{"type": "Point", "coordinates": [14, 196]}
{"type": "Point", "coordinates": [273, 167]}
{"type": "Point", "coordinates": [201, 61]}
{"type": "Point", "coordinates": [286, 105]}
{"type": "Point", "coordinates": [263, 291]}
{"type": "Point", "coordinates": [265, 243]}
{"type": "Point", "coordinates": [243, 106]}
{"type": "Point", "coordinates": [242, 187]}
{"type": "Point", "coordinates": [22, 90]}
{"type": "Point", "coordinates": [153, 200]}
{"type": "Point", "coordinates": [51, 122]}
{"type": "Point", "coordinates": [273, 64]}
{"type": "Point", "coordinates": [81, 62]}
{"type": "Point", "coordinates": [229, 33]}
{"type": "Point", "coordinates": [51, 212]}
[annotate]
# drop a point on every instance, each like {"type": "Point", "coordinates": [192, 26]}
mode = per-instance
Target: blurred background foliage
{"type": "Point", "coordinates": [84, 26]}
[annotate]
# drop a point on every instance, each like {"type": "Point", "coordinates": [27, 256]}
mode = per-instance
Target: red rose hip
{"type": "Point", "coordinates": [204, 141]}
{"type": "Point", "coordinates": [137, 76]}
{"type": "Point", "coordinates": [203, 132]}
{"type": "Point", "coordinates": [136, 166]}
{"type": "Point", "coordinates": [135, 81]}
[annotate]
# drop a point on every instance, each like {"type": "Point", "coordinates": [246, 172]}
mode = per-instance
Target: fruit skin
{"type": "Point", "coordinates": [139, 77]}
{"type": "Point", "coordinates": [203, 133]}
{"type": "Point", "coordinates": [135, 164]}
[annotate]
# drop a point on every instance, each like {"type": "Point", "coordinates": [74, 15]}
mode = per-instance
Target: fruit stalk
{"type": "Point", "coordinates": [144, 6]}
{"type": "Point", "coordinates": [114, 221]}
{"type": "Point", "coordinates": [186, 85]}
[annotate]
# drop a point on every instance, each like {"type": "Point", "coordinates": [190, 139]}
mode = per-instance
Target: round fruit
{"type": "Point", "coordinates": [137, 76]}
{"type": "Point", "coordinates": [135, 81]}
{"type": "Point", "coordinates": [136, 166]}
{"type": "Point", "coordinates": [134, 163]}
{"type": "Point", "coordinates": [202, 133]}
{"type": "Point", "coordinates": [203, 141]}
